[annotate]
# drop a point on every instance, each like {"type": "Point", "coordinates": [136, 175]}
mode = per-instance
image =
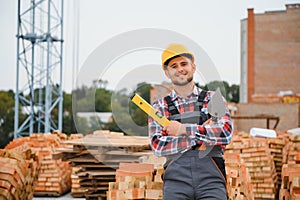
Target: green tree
{"type": "Point", "coordinates": [91, 99]}
{"type": "Point", "coordinates": [7, 104]}
{"type": "Point", "coordinates": [95, 123]}
{"type": "Point", "coordinates": [68, 118]}
{"type": "Point", "coordinates": [139, 116]}
{"type": "Point", "coordinates": [234, 93]}
{"type": "Point", "coordinates": [121, 118]}
{"type": "Point", "coordinates": [214, 85]}
{"type": "Point", "coordinates": [82, 125]}
{"type": "Point", "coordinates": [103, 100]}
{"type": "Point", "coordinates": [80, 92]}
{"type": "Point", "coordinates": [230, 93]}
{"type": "Point", "coordinates": [84, 104]}
{"type": "Point", "coordinates": [112, 126]}
{"type": "Point", "coordinates": [126, 117]}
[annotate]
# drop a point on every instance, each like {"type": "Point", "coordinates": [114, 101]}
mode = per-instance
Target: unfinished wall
{"type": "Point", "coordinates": [289, 116]}
{"type": "Point", "coordinates": [277, 47]}
{"type": "Point", "coordinates": [270, 52]}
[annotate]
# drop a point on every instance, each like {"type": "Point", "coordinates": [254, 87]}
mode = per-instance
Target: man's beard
{"type": "Point", "coordinates": [183, 83]}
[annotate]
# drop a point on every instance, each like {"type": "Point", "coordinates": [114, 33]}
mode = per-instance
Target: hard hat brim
{"type": "Point", "coordinates": [187, 55]}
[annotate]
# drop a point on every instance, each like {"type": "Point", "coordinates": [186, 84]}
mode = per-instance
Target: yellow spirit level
{"type": "Point", "coordinates": [149, 110]}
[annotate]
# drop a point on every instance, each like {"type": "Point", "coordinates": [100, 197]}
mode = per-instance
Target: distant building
{"type": "Point", "coordinates": [270, 52]}
{"type": "Point", "coordinates": [104, 117]}
{"type": "Point", "coordinates": [160, 91]}
{"type": "Point", "coordinates": [27, 109]}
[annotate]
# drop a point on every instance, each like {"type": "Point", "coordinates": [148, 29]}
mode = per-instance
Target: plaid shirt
{"type": "Point", "coordinates": [220, 133]}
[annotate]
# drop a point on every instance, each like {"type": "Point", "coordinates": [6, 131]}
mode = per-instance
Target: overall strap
{"type": "Point", "coordinates": [201, 99]}
{"type": "Point", "coordinates": [171, 107]}
{"type": "Point", "coordinates": [203, 116]}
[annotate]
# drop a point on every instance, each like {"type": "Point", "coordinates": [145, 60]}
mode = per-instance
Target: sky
{"type": "Point", "coordinates": [211, 27]}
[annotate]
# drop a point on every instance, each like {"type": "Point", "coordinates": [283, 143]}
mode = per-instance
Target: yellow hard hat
{"type": "Point", "coordinates": [174, 50]}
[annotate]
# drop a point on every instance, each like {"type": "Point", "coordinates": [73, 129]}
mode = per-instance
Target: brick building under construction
{"type": "Point", "coordinates": [270, 47]}
{"type": "Point", "coordinates": [270, 68]}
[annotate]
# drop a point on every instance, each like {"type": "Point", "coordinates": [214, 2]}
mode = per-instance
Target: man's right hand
{"type": "Point", "coordinates": [175, 128]}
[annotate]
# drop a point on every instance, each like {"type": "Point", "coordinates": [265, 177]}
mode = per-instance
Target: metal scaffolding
{"type": "Point", "coordinates": [39, 96]}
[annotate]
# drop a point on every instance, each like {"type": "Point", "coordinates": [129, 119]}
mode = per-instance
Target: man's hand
{"type": "Point", "coordinates": [175, 128]}
{"type": "Point", "coordinates": [207, 121]}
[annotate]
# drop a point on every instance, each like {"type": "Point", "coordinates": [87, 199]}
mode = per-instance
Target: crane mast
{"type": "Point", "coordinates": [39, 95]}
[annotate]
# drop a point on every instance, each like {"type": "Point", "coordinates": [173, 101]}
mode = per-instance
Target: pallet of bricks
{"type": "Point", "coordinates": [290, 187]}
{"type": "Point", "coordinates": [138, 181]}
{"type": "Point", "coordinates": [276, 146]}
{"type": "Point", "coordinates": [95, 158]}
{"type": "Point", "coordinates": [54, 175]}
{"type": "Point", "coordinates": [19, 169]}
{"type": "Point", "coordinates": [258, 157]}
{"type": "Point", "coordinates": [239, 184]}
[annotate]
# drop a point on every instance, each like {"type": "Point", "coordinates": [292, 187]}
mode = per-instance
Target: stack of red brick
{"type": "Point", "coordinates": [258, 156]}
{"type": "Point", "coordinates": [267, 98]}
{"type": "Point", "coordinates": [55, 175]}
{"type": "Point", "coordinates": [239, 184]}
{"type": "Point", "coordinates": [290, 187]}
{"type": "Point", "coordinates": [275, 98]}
{"type": "Point", "coordinates": [291, 99]}
{"type": "Point", "coordinates": [136, 181]}
{"type": "Point", "coordinates": [18, 173]}
{"type": "Point", "coordinates": [276, 145]}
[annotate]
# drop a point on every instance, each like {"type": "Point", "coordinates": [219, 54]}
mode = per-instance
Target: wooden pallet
{"type": "Point", "coordinates": [96, 158]}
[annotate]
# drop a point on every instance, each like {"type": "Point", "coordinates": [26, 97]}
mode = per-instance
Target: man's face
{"type": "Point", "coordinates": [180, 70]}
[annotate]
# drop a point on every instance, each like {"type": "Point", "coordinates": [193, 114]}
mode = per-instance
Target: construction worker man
{"type": "Point", "coordinates": [188, 175]}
